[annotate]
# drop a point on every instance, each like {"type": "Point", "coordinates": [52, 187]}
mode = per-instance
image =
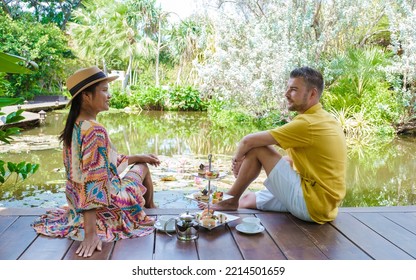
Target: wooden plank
{"type": "Point", "coordinates": [5, 222]}
{"type": "Point", "coordinates": [104, 254]}
{"type": "Point", "coordinates": [391, 231]}
{"type": "Point", "coordinates": [176, 212]}
{"type": "Point", "coordinates": [378, 209]}
{"type": "Point", "coordinates": [406, 220]}
{"type": "Point", "coordinates": [330, 241]}
{"type": "Point", "coordinates": [47, 248]}
{"type": "Point", "coordinates": [293, 242]}
{"type": "Point", "coordinates": [256, 247]}
{"type": "Point", "coordinates": [16, 238]}
{"type": "Point", "coordinates": [140, 248]}
{"type": "Point", "coordinates": [170, 248]}
{"type": "Point", "coordinates": [165, 211]}
{"type": "Point", "coordinates": [217, 244]}
{"type": "Point", "coordinates": [22, 211]}
{"type": "Point", "coordinates": [369, 241]}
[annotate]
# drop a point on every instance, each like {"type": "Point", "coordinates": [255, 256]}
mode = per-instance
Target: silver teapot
{"type": "Point", "coordinates": [186, 227]}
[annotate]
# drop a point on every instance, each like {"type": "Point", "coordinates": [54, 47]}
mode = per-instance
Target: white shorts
{"type": "Point", "coordinates": [284, 192]}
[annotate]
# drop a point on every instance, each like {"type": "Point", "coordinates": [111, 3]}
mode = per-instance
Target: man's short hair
{"type": "Point", "coordinates": [312, 77]}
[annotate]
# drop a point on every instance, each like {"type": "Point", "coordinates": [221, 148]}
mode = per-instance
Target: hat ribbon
{"type": "Point", "coordinates": [86, 81]}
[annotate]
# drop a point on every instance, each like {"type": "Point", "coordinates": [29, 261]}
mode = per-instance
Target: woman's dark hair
{"type": "Point", "coordinates": [66, 134]}
{"type": "Point", "coordinates": [312, 77]}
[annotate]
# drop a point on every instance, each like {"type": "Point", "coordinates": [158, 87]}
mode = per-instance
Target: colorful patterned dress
{"type": "Point", "coordinates": [93, 166]}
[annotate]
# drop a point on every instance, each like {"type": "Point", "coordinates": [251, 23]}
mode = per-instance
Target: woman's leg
{"type": "Point", "coordinates": [147, 183]}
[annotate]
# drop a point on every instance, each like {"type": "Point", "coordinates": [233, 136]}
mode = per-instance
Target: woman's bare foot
{"type": "Point", "coordinates": [147, 221]}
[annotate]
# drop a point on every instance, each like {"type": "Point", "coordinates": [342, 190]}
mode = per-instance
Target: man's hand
{"type": "Point", "coordinates": [236, 165]}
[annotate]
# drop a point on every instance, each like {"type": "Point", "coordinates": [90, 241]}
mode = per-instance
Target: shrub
{"type": "Point", "coordinates": [119, 100]}
{"type": "Point", "coordinates": [150, 98]}
{"type": "Point", "coordinates": [185, 99]}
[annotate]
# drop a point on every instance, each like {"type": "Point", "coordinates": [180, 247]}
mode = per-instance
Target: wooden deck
{"type": "Point", "coordinates": [31, 113]}
{"type": "Point", "coordinates": [379, 233]}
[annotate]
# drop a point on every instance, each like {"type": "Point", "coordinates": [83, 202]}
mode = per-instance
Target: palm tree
{"type": "Point", "coordinates": [110, 29]}
{"type": "Point", "coordinates": [188, 41]}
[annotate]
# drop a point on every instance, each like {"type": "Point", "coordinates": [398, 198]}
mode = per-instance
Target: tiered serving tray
{"type": "Point", "coordinates": [191, 196]}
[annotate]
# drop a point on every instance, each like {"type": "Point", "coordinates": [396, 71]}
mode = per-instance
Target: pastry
{"type": "Point", "coordinates": [211, 174]}
{"type": "Point", "coordinates": [222, 218]}
{"type": "Point", "coordinates": [197, 195]}
{"type": "Point", "coordinates": [208, 222]}
{"type": "Point", "coordinates": [201, 170]}
{"type": "Point", "coordinates": [204, 197]}
{"type": "Point", "coordinates": [218, 195]}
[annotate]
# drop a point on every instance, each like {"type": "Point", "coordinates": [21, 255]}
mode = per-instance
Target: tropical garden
{"type": "Point", "coordinates": [230, 60]}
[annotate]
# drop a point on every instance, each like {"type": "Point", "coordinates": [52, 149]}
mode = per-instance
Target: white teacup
{"type": "Point", "coordinates": [253, 220]}
{"type": "Point", "coordinates": [251, 223]}
{"type": "Point", "coordinates": [162, 220]}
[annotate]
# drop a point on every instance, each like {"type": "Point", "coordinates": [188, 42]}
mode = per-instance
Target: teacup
{"type": "Point", "coordinates": [251, 223]}
{"type": "Point", "coordinates": [253, 220]}
{"type": "Point", "coordinates": [162, 220]}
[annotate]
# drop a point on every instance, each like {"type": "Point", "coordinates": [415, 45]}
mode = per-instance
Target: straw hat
{"type": "Point", "coordinates": [84, 78]}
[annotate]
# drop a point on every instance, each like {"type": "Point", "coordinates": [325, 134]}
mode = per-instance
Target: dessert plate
{"type": "Point", "coordinates": [242, 228]}
{"type": "Point", "coordinates": [220, 176]}
{"type": "Point", "coordinates": [224, 197]}
{"type": "Point", "coordinates": [230, 218]}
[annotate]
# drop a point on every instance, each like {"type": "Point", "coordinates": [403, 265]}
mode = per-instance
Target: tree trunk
{"type": "Point", "coordinates": [128, 73]}
{"type": "Point", "coordinates": [5, 8]}
{"type": "Point", "coordinates": [158, 54]}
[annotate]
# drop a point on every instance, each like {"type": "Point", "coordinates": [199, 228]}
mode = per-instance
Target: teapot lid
{"type": "Point", "coordinates": [186, 216]}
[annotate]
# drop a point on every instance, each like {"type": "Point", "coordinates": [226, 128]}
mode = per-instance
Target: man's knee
{"type": "Point", "coordinates": [266, 155]}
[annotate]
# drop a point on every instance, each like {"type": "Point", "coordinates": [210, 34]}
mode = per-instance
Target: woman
{"type": "Point", "coordinates": [102, 206]}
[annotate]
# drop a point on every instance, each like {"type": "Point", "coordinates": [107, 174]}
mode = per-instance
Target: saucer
{"type": "Point", "coordinates": [242, 228]}
{"type": "Point", "coordinates": [169, 228]}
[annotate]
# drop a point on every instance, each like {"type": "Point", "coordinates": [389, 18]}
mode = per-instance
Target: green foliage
{"type": "Point", "coordinates": [150, 98]}
{"type": "Point", "coordinates": [119, 100]}
{"type": "Point", "coordinates": [57, 12]}
{"type": "Point", "coordinates": [222, 115]}
{"type": "Point", "coordinates": [7, 169]}
{"type": "Point", "coordinates": [185, 99]}
{"type": "Point", "coordinates": [22, 170]}
{"type": "Point", "coordinates": [44, 44]}
{"type": "Point", "coordinates": [157, 98]}
{"type": "Point", "coordinates": [358, 94]}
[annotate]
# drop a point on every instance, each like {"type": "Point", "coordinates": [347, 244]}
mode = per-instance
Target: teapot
{"type": "Point", "coordinates": [186, 226]}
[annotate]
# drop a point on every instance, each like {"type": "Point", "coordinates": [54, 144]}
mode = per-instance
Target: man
{"type": "Point", "coordinates": [310, 182]}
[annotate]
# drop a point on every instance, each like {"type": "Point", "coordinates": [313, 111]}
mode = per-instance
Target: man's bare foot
{"type": "Point", "coordinates": [229, 204]}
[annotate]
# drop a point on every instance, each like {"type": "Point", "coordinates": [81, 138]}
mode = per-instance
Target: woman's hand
{"type": "Point", "coordinates": [91, 240]}
{"type": "Point", "coordinates": [151, 159]}
{"type": "Point", "coordinates": [144, 158]}
{"type": "Point", "coordinates": [88, 246]}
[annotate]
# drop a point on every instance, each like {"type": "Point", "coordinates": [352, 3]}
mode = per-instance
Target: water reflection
{"type": "Point", "coordinates": [377, 176]}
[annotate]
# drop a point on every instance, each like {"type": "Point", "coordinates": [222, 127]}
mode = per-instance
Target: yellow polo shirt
{"type": "Point", "coordinates": [315, 142]}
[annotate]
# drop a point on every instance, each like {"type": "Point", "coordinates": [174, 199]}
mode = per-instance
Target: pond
{"type": "Point", "coordinates": [380, 175]}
